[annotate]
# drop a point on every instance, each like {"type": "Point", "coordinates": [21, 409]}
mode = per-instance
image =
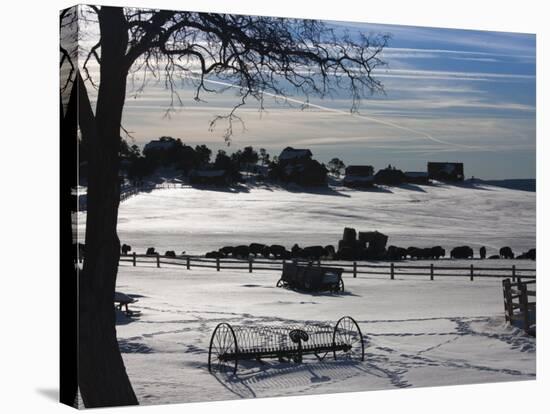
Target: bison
{"type": "Point", "coordinates": [330, 252]}
{"type": "Point", "coordinates": [151, 251]}
{"type": "Point", "coordinates": [214, 255]}
{"type": "Point", "coordinates": [296, 251]}
{"type": "Point", "coordinates": [125, 249]}
{"type": "Point", "coordinates": [313, 252]}
{"type": "Point", "coordinates": [506, 253]}
{"type": "Point", "coordinates": [482, 252]}
{"type": "Point", "coordinates": [241, 251]}
{"type": "Point", "coordinates": [170, 253]}
{"type": "Point", "coordinates": [417, 253]}
{"type": "Point", "coordinates": [396, 253]}
{"type": "Point", "coordinates": [279, 252]}
{"type": "Point", "coordinates": [462, 252]}
{"type": "Point", "coordinates": [437, 252]}
{"type": "Point", "coordinates": [411, 250]}
{"type": "Point", "coordinates": [531, 254]}
{"type": "Point", "coordinates": [256, 249]}
{"type": "Point", "coordinates": [226, 250]}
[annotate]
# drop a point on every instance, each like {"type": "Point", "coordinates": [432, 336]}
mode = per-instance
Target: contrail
{"type": "Point", "coordinates": [347, 113]}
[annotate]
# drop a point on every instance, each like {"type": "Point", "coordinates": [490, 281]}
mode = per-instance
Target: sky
{"type": "Point", "coordinates": [450, 95]}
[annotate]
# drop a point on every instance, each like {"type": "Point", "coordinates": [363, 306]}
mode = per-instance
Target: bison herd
{"type": "Point", "coordinates": [274, 251]}
{"type": "Point", "coordinates": [353, 246]}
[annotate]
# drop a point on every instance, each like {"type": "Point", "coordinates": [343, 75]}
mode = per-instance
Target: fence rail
{"type": "Point", "coordinates": [353, 269]}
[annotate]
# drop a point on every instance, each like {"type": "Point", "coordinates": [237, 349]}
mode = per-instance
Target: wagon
{"type": "Point", "coordinates": [311, 278]}
{"type": "Point", "coordinates": [233, 343]}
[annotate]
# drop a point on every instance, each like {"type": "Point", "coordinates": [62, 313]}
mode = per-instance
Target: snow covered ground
{"type": "Point", "coordinates": [418, 333]}
{"type": "Point", "coordinates": [196, 221]}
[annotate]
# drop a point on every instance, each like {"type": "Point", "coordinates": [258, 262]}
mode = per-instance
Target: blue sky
{"type": "Point", "coordinates": [450, 95]}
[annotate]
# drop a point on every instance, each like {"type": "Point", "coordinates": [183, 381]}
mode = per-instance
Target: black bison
{"type": "Point", "coordinates": [214, 255]}
{"type": "Point", "coordinates": [482, 252]}
{"type": "Point", "coordinates": [125, 249]}
{"type": "Point", "coordinates": [396, 253]}
{"type": "Point", "coordinates": [226, 250]}
{"type": "Point", "coordinates": [330, 252]}
{"type": "Point", "coordinates": [170, 253]}
{"type": "Point", "coordinates": [296, 251]}
{"type": "Point", "coordinates": [506, 253]}
{"type": "Point", "coordinates": [313, 252]}
{"type": "Point", "coordinates": [256, 249]}
{"type": "Point", "coordinates": [410, 250]}
{"type": "Point", "coordinates": [531, 254]}
{"type": "Point", "coordinates": [151, 251]}
{"type": "Point", "coordinates": [420, 253]}
{"type": "Point", "coordinates": [279, 252]}
{"type": "Point", "coordinates": [437, 252]}
{"type": "Point", "coordinates": [462, 252]}
{"type": "Point", "coordinates": [241, 251]}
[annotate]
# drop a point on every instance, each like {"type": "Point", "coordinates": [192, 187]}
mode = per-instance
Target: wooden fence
{"type": "Point", "coordinates": [520, 304]}
{"type": "Point", "coordinates": [391, 270]}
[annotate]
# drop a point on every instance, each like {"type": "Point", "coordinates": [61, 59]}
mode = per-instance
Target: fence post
{"type": "Point", "coordinates": [158, 260]}
{"type": "Point", "coordinates": [354, 269]}
{"type": "Point", "coordinates": [217, 264]}
{"type": "Point", "coordinates": [508, 309]}
{"type": "Point", "coordinates": [392, 271]}
{"type": "Point", "coordinates": [431, 271]}
{"type": "Point", "coordinates": [134, 259]}
{"type": "Point", "coordinates": [188, 263]}
{"type": "Point", "coordinates": [471, 272]}
{"type": "Point", "coordinates": [524, 305]}
{"type": "Point", "coordinates": [513, 273]}
{"type": "Point", "coordinates": [249, 265]}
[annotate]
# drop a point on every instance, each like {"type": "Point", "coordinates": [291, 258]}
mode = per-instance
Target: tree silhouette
{"type": "Point", "coordinates": [335, 166]}
{"type": "Point", "coordinates": [264, 156]}
{"type": "Point", "coordinates": [252, 53]}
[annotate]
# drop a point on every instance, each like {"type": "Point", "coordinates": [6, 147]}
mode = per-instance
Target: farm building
{"type": "Point", "coordinates": [210, 177]}
{"type": "Point", "coordinates": [293, 155]}
{"type": "Point", "coordinates": [359, 176]}
{"type": "Point", "coordinates": [446, 171]}
{"type": "Point", "coordinates": [417, 177]}
{"type": "Point", "coordinates": [389, 176]}
{"type": "Point", "coordinates": [297, 166]}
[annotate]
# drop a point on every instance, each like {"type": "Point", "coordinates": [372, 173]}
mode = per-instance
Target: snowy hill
{"type": "Point", "coordinates": [199, 220]}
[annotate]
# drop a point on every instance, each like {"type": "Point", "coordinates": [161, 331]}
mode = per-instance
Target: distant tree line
{"type": "Point", "coordinates": [169, 152]}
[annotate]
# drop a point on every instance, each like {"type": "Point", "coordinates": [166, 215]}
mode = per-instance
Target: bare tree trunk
{"type": "Point", "coordinates": [102, 376]}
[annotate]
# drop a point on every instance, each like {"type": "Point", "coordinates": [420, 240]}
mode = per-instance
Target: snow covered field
{"type": "Point", "coordinates": [197, 220]}
{"type": "Point", "coordinates": [418, 333]}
